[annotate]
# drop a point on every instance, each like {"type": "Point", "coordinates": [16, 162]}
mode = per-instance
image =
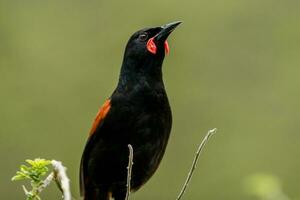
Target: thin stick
{"type": "Point", "coordinates": [129, 170]}
{"type": "Point", "coordinates": [46, 182]}
{"type": "Point", "coordinates": [62, 179]}
{"type": "Point", "coordinates": [193, 167]}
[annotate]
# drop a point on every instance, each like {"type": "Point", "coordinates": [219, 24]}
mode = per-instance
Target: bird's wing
{"type": "Point", "coordinates": [103, 111]}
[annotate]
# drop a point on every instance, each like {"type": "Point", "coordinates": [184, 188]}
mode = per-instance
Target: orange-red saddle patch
{"type": "Point", "coordinates": [100, 115]}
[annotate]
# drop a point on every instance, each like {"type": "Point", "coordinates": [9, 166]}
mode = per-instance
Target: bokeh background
{"type": "Point", "coordinates": [233, 65]}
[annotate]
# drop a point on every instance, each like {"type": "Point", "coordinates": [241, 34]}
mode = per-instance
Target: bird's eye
{"type": "Point", "coordinates": [143, 36]}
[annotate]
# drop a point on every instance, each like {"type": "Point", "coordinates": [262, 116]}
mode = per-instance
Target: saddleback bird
{"type": "Point", "coordinates": [137, 113]}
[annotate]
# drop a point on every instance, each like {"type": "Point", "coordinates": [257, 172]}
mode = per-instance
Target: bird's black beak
{"type": "Point", "coordinates": [166, 30]}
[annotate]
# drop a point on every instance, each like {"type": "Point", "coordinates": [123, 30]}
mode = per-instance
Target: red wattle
{"type": "Point", "coordinates": [167, 48]}
{"type": "Point", "coordinates": [151, 46]}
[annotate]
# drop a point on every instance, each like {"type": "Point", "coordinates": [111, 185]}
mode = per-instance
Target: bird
{"type": "Point", "coordinates": [137, 113]}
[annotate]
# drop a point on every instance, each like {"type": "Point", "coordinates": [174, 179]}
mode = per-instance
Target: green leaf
{"type": "Point", "coordinates": [24, 168]}
{"type": "Point", "coordinates": [31, 162]}
{"type": "Point", "coordinates": [17, 177]}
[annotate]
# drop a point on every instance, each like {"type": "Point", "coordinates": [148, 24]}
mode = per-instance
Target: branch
{"type": "Point", "coordinates": [61, 179]}
{"type": "Point", "coordinates": [46, 182]}
{"type": "Point", "coordinates": [193, 167]}
{"type": "Point", "coordinates": [129, 170]}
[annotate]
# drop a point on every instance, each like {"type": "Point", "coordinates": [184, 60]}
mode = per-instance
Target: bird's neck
{"type": "Point", "coordinates": [140, 73]}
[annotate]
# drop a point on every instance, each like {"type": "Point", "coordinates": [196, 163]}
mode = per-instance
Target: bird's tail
{"type": "Point", "coordinates": [97, 195]}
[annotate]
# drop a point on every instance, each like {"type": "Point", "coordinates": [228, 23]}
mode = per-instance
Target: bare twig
{"type": "Point", "coordinates": [193, 167]}
{"type": "Point", "coordinates": [25, 190]}
{"type": "Point", "coordinates": [62, 179]}
{"type": "Point", "coordinates": [46, 182]}
{"type": "Point", "coordinates": [129, 169]}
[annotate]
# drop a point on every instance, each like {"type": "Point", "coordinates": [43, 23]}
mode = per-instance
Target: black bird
{"type": "Point", "coordinates": [137, 113]}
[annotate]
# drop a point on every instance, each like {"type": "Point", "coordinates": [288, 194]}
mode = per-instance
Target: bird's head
{"type": "Point", "coordinates": [146, 49]}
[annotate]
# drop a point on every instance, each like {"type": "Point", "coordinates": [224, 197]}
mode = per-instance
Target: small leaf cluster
{"type": "Point", "coordinates": [35, 172]}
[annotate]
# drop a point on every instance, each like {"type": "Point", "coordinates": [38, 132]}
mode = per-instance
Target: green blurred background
{"type": "Point", "coordinates": [233, 65]}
